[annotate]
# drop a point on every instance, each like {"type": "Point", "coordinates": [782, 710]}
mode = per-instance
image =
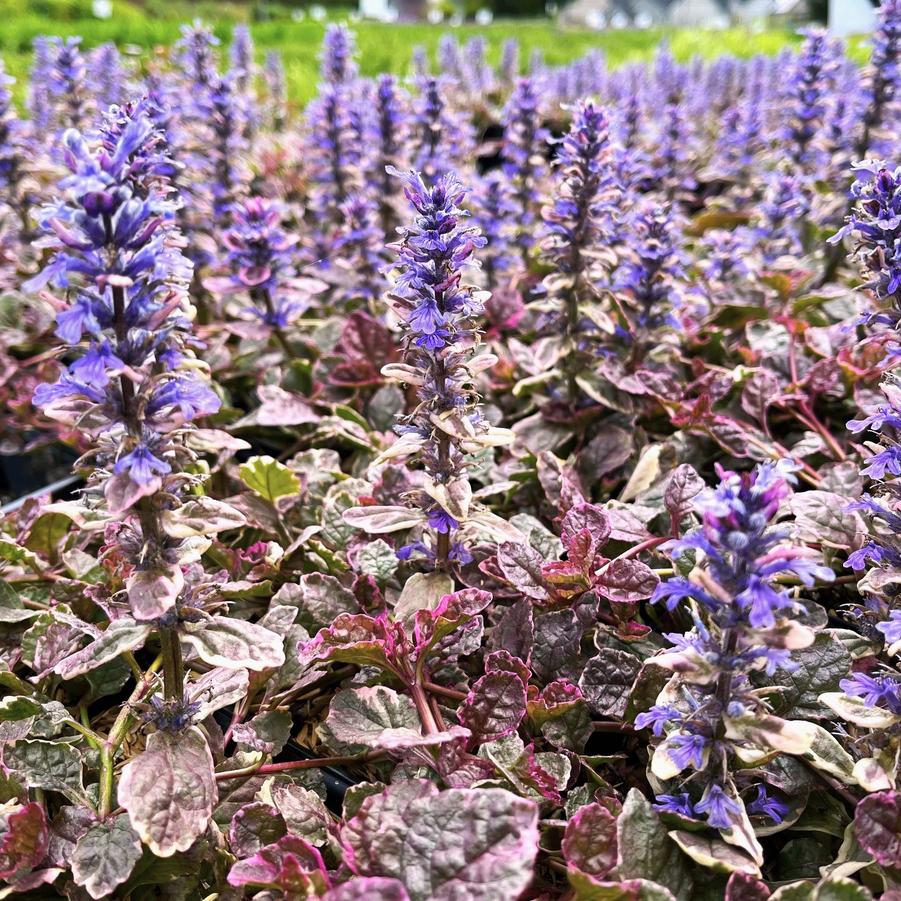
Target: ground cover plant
{"type": "Point", "coordinates": [486, 480]}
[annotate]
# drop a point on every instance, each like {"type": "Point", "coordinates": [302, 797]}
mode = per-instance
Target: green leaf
{"type": "Point", "coordinates": [378, 559]}
{"type": "Point", "coordinates": [839, 889]}
{"type": "Point", "coordinates": [17, 708]}
{"type": "Point", "coordinates": [819, 668]}
{"type": "Point", "coordinates": [105, 856]}
{"type": "Point", "coordinates": [269, 478]}
{"type": "Point", "coordinates": [645, 849]}
{"type": "Point", "coordinates": [53, 766]}
{"type": "Point", "coordinates": [47, 533]}
{"type": "Point", "coordinates": [828, 755]}
{"type": "Point", "coordinates": [20, 556]}
{"type": "Point", "coordinates": [169, 791]}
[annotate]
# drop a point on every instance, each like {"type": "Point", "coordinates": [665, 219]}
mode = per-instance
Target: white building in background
{"type": "Point", "coordinates": [851, 17]}
{"type": "Point", "coordinates": [380, 10]}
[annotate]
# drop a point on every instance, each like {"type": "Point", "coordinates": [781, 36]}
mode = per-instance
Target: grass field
{"type": "Point", "coordinates": [387, 48]}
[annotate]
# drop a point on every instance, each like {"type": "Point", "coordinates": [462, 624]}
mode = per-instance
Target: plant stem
{"type": "Point", "coordinates": [117, 736]}
{"type": "Point", "coordinates": [436, 689]}
{"type": "Point", "coordinates": [429, 726]}
{"type": "Point", "coordinates": [310, 764]}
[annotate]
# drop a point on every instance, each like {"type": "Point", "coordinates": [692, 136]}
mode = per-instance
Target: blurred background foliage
{"type": "Point", "coordinates": [153, 25]}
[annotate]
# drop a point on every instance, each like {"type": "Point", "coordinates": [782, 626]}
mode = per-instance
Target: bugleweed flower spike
{"type": "Point", "coordinates": [134, 384]}
{"type": "Point", "coordinates": [577, 239]}
{"type": "Point", "coordinates": [439, 316]}
{"type": "Point", "coordinates": [709, 716]}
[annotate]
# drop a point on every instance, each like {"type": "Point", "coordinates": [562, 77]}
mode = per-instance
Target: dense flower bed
{"type": "Point", "coordinates": [488, 481]}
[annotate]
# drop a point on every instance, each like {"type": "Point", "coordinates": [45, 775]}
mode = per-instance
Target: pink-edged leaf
{"type": "Point", "coordinates": [105, 856]}
{"type": "Point", "coordinates": [478, 844]}
{"type": "Point", "coordinates": [453, 611]}
{"type": "Point", "coordinates": [169, 790]}
{"type": "Point", "coordinates": [566, 578]}
{"type": "Point", "coordinates": [356, 638]}
{"type": "Point", "coordinates": [120, 636]}
{"type": "Point", "coordinates": [627, 581]}
{"type": "Point", "coordinates": [495, 706]}
{"type": "Point", "coordinates": [291, 865]}
{"type": "Point", "coordinates": [303, 811]}
{"type": "Point", "coordinates": [877, 822]}
{"type": "Point", "coordinates": [504, 662]}
{"type": "Point", "coordinates": [589, 842]}
{"type": "Point", "coordinates": [24, 837]}
{"type": "Point", "coordinates": [234, 643]}
{"type": "Point", "coordinates": [153, 592]}
{"type": "Point", "coordinates": [369, 888]}
{"type": "Point", "coordinates": [379, 717]}
{"type": "Point", "coordinates": [745, 887]}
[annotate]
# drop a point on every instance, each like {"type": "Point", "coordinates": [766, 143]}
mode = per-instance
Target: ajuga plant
{"type": "Point", "coordinates": [523, 154]}
{"type": "Point", "coordinates": [388, 138]}
{"type": "Point", "coordinates": [67, 86]}
{"type": "Point", "coordinates": [276, 89]}
{"type": "Point", "coordinates": [13, 157]}
{"type": "Point", "coordinates": [261, 257]}
{"type": "Point", "coordinates": [107, 76]}
{"type": "Point", "coordinates": [134, 388]}
{"type": "Point", "coordinates": [494, 208]}
{"type": "Point", "coordinates": [651, 279]}
{"type": "Point", "coordinates": [807, 100]}
{"type": "Point", "coordinates": [360, 245]}
{"type": "Point", "coordinates": [334, 155]}
{"type": "Point", "coordinates": [441, 137]}
{"type": "Point", "coordinates": [577, 222]}
{"type": "Point", "coordinates": [39, 103]}
{"type": "Point", "coordinates": [227, 149]}
{"type": "Point", "coordinates": [880, 87]}
{"type": "Point", "coordinates": [874, 227]}
{"type": "Point", "coordinates": [710, 718]}
{"type": "Point", "coordinates": [780, 216]}
{"type": "Point", "coordinates": [441, 360]}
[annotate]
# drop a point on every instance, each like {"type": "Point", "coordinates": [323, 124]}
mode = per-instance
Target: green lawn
{"type": "Point", "coordinates": [387, 47]}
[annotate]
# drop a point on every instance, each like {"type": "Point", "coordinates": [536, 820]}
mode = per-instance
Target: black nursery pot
{"type": "Point", "coordinates": [45, 470]}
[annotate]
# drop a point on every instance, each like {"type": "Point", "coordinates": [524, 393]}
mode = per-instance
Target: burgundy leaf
{"type": "Point", "coordinates": [589, 842]}
{"type": "Point", "coordinates": [877, 822]}
{"type": "Point", "coordinates": [495, 705]}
